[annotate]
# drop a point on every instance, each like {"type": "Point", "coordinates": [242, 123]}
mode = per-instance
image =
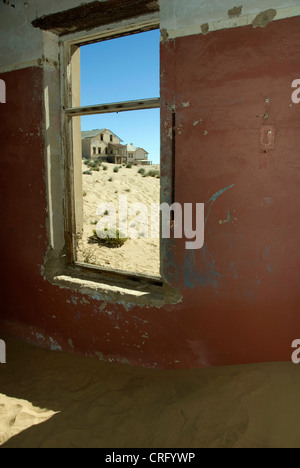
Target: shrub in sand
{"type": "Point", "coordinates": [104, 168]}
{"type": "Point", "coordinates": [153, 173]}
{"type": "Point", "coordinates": [94, 164]}
{"type": "Point", "coordinates": [141, 171]}
{"type": "Point", "coordinates": [129, 166]}
{"type": "Point", "coordinates": [116, 169]}
{"type": "Point", "coordinates": [108, 238]}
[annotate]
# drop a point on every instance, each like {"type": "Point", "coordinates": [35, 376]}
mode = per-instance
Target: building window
{"type": "Point", "coordinates": [83, 248]}
{"type": "Point", "coordinates": [94, 150]}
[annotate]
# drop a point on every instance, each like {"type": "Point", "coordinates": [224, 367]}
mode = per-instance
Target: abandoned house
{"type": "Point", "coordinates": [230, 139]}
{"type": "Point", "coordinates": [103, 144]}
{"type": "Point", "coordinates": [137, 155]}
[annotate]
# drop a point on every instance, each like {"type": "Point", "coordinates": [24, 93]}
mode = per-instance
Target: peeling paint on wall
{"type": "Point", "coordinates": [214, 198]}
{"type": "Point", "coordinates": [205, 28]}
{"type": "Point", "coordinates": [202, 273]}
{"type": "Point", "coordinates": [227, 220]}
{"type": "Point", "coordinates": [264, 18]}
{"type": "Point", "coordinates": [199, 16]}
{"type": "Point", "coordinates": [235, 12]}
{"type": "Point", "coordinates": [164, 35]}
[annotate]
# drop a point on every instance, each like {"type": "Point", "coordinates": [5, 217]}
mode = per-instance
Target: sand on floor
{"type": "Point", "coordinates": [53, 399]}
{"type": "Point", "coordinates": [136, 255]}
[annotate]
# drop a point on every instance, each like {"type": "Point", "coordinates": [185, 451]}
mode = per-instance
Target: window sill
{"type": "Point", "coordinates": [112, 287]}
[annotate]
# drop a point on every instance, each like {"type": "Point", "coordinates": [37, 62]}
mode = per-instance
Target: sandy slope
{"type": "Point", "coordinates": [17, 415]}
{"type": "Point", "coordinates": [136, 255]}
{"type": "Point", "coordinates": [107, 405]}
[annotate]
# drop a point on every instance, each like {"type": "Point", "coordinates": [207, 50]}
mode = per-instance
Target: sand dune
{"type": "Point", "coordinates": [136, 255]}
{"type": "Point", "coordinates": [116, 406]}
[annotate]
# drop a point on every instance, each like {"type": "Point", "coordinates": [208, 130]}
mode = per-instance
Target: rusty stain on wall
{"type": "Point", "coordinates": [264, 18]}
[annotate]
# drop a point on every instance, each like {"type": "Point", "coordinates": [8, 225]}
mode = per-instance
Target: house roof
{"type": "Point", "coordinates": [94, 133]}
{"type": "Point", "coordinates": [133, 149]}
{"type": "Point", "coordinates": [143, 150]}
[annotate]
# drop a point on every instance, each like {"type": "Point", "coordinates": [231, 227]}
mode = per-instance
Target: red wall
{"type": "Point", "coordinates": [241, 291]}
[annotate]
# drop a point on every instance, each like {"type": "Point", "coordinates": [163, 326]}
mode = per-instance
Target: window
{"type": "Point", "coordinates": [94, 150]}
{"type": "Point", "coordinates": [129, 117]}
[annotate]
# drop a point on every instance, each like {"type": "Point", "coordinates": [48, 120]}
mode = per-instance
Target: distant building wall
{"type": "Point", "coordinates": [86, 148]}
{"type": "Point", "coordinates": [140, 154]}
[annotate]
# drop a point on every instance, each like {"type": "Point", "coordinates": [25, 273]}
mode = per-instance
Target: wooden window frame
{"type": "Point", "coordinates": [69, 46]}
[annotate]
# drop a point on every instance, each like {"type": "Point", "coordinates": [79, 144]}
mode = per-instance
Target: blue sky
{"type": "Point", "coordinates": [124, 69]}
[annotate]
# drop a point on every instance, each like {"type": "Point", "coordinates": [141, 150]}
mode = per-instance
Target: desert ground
{"type": "Point", "coordinates": [52, 399]}
{"type": "Point", "coordinates": [105, 186]}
